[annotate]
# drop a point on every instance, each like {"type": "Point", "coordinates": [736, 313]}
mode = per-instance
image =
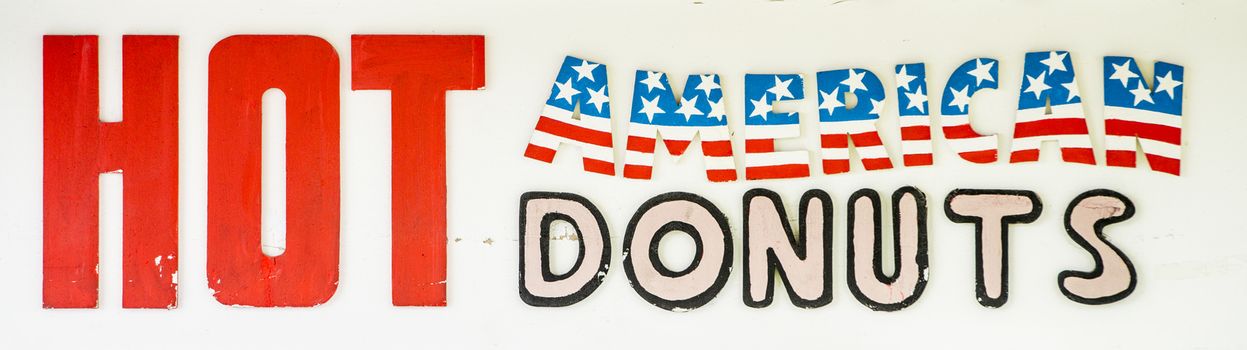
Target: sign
{"type": "Point", "coordinates": [797, 173]}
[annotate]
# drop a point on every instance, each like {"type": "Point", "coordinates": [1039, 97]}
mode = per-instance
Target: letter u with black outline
{"type": "Point", "coordinates": [901, 293]}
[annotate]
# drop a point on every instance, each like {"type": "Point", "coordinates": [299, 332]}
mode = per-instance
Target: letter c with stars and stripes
{"type": "Point", "coordinates": [582, 85]}
{"type": "Point", "coordinates": [763, 126]}
{"type": "Point", "coordinates": [699, 111]}
{"type": "Point", "coordinates": [1152, 116]}
{"type": "Point", "coordinates": [837, 123]}
{"type": "Point", "coordinates": [1050, 109]}
{"type": "Point", "coordinates": [966, 80]}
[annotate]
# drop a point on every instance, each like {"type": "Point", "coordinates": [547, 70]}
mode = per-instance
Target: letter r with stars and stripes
{"type": "Point", "coordinates": [580, 86]}
{"type": "Point", "coordinates": [699, 111]}
{"type": "Point", "coordinates": [837, 123]}
{"type": "Point", "coordinates": [1050, 109]}
{"type": "Point", "coordinates": [1151, 116]}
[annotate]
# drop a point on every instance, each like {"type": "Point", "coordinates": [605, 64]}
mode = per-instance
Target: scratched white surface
{"type": "Point", "coordinates": [1184, 240]}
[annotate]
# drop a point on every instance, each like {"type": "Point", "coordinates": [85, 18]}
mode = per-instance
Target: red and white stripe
{"type": "Point", "coordinates": [835, 136]}
{"type": "Point", "coordinates": [1159, 134]}
{"type": "Point", "coordinates": [1065, 125]}
{"type": "Point", "coordinates": [591, 134]}
{"type": "Point", "coordinates": [916, 140]}
{"type": "Point", "coordinates": [716, 148]}
{"type": "Point", "coordinates": [970, 145]}
{"type": "Point", "coordinates": [763, 162]}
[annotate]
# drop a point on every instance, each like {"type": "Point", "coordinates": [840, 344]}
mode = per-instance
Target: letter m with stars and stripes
{"type": "Point", "coordinates": [1151, 116]}
{"type": "Point", "coordinates": [699, 111]}
{"type": "Point", "coordinates": [577, 113]}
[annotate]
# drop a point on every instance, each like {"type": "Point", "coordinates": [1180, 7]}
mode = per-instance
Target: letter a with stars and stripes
{"type": "Point", "coordinates": [838, 124]}
{"type": "Point", "coordinates": [699, 111]}
{"type": "Point", "coordinates": [915, 120]}
{"type": "Point", "coordinates": [763, 126]}
{"type": "Point", "coordinates": [1050, 109]}
{"type": "Point", "coordinates": [579, 84]}
{"type": "Point", "coordinates": [1152, 116]}
{"type": "Point", "coordinates": [966, 80]}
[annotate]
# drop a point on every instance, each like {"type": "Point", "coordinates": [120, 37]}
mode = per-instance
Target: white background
{"type": "Point", "coordinates": [1183, 240]}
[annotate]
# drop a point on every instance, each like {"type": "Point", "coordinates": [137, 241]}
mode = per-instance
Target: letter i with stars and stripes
{"type": "Point", "coordinates": [1133, 112]}
{"type": "Point", "coordinates": [1050, 109]}
{"type": "Point", "coordinates": [915, 120]}
{"type": "Point", "coordinates": [763, 126]}
{"type": "Point", "coordinates": [838, 124]}
{"type": "Point", "coordinates": [699, 111]}
{"type": "Point", "coordinates": [966, 80]}
{"type": "Point", "coordinates": [582, 85]}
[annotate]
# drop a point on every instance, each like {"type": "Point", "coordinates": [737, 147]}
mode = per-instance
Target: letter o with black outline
{"type": "Point", "coordinates": [702, 280]}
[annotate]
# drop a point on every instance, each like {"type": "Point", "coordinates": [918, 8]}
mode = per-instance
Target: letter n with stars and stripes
{"type": "Point", "coordinates": [763, 126]}
{"type": "Point", "coordinates": [1050, 109]}
{"type": "Point", "coordinates": [699, 111]}
{"type": "Point", "coordinates": [915, 120]}
{"type": "Point", "coordinates": [1152, 117]}
{"type": "Point", "coordinates": [579, 86]}
{"type": "Point", "coordinates": [966, 80]}
{"type": "Point", "coordinates": [838, 124]}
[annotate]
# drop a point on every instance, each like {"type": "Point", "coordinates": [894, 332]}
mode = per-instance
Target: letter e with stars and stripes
{"type": "Point", "coordinates": [580, 86]}
{"type": "Point", "coordinates": [1151, 116]}
{"type": "Point", "coordinates": [699, 111]}
{"type": "Point", "coordinates": [763, 126]}
{"type": "Point", "coordinates": [1050, 109]}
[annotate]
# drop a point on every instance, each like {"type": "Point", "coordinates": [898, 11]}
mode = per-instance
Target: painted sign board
{"type": "Point", "coordinates": [490, 174]}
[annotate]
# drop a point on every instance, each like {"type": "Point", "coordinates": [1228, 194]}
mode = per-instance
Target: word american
{"type": "Point", "coordinates": [1050, 108]}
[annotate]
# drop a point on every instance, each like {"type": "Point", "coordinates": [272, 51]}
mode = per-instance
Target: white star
{"type": "Point", "coordinates": [1055, 61]}
{"type": "Point", "coordinates": [653, 80]}
{"type": "Point", "coordinates": [1141, 94]}
{"type": "Point", "coordinates": [707, 84]}
{"type": "Point", "coordinates": [961, 98]}
{"type": "Point", "coordinates": [854, 82]}
{"type": "Point", "coordinates": [1036, 84]}
{"type": "Point", "coordinates": [761, 108]}
{"type": "Point", "coordinates": [781, 89]}
{"type": "Point", "coordinates": [566, 91]}
{"type": "Point", "coordinates": [917, 100]}
{"type": "Point", "coordinates": [830, 101]}
{"type": "Point", "coordinates": [1072, 86]}
{"type": "Point", "coordinates": [598, 97]}
{"type": "Point", "coordinates": [1167, 83]}
{"type": "Point", "coordinates": [903, 78]}
{"type": "Point", "coordinates": [650, 107]}
{"type": "Point", "coordinates": [688, 108]}
{"type": "Point", "coordinates": [1122, 72]}
{"type": "Point", "coordinates": [717, 110]}
{"type": "Point", "coordinates": [876, 107]}
{"type": "Point", "coordinates": [585, 70]}
{"type": "Point", "coordinates": [982, 72]}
